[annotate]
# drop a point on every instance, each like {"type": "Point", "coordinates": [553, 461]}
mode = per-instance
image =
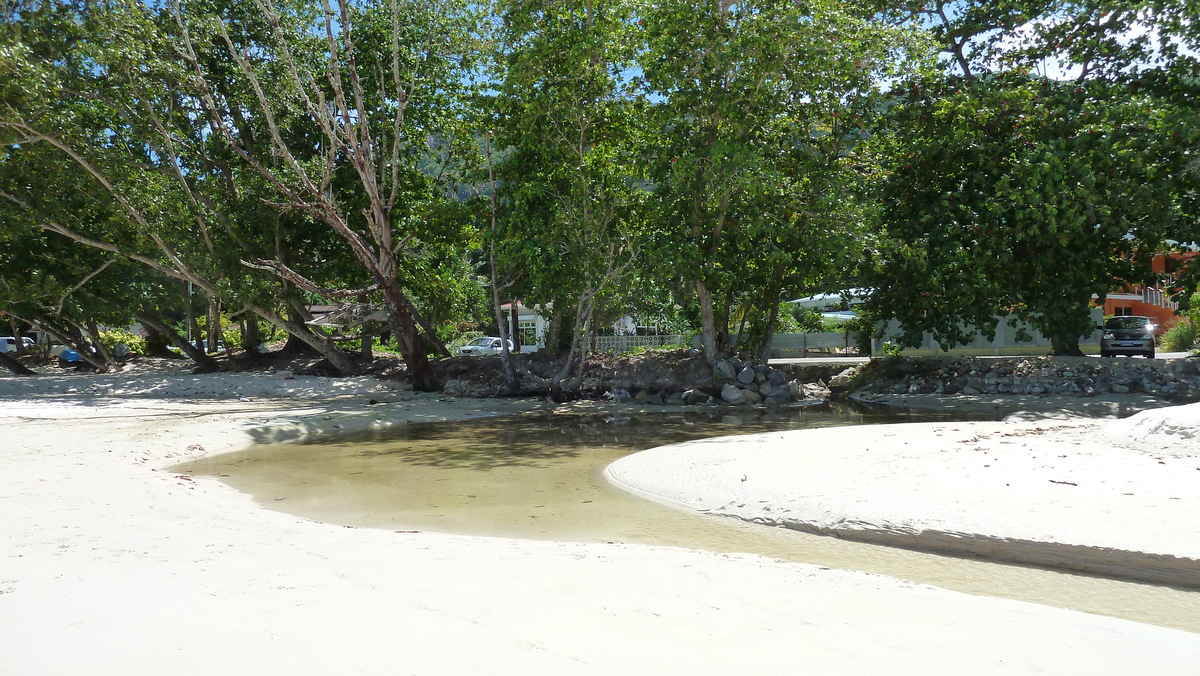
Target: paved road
{"type": "Point", "coordinates": [820, 360]}
{"type": "Point", "coordinates": [862, 360]}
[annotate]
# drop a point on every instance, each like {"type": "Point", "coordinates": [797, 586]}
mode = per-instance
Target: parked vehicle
{"type": "Point", "coordinates": [1129, 335]}
{"type": "Point", "coordinates": [482, 346]}
{"type": "Point", "coordinates": [68, 356]}
{"type": "Point", "coordinates": [9, 343]}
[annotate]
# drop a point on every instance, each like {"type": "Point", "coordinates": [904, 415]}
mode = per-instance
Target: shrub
{"type": "Point", "coordinates": [390, 347]}
{"type": "Point", "coordinates": [463, 339]}
{"type": "Point", "coordinates": [135, 343]}
{"type": "Point", "coordinates": [807, 320]}
{"type": "Point", "coordinates": [642, 349]}
{"type": "Point", "coordinates": [863, 330]}
{"type": "Point", "coordinates": [890, 349]}
{"type": "Point", "coordinates": [1181, 337]}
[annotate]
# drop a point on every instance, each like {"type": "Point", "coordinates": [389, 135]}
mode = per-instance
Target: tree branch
{"type": "Point", "coordinates": [284, 272]}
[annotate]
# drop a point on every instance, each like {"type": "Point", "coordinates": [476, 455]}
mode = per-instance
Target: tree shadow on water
{"type": "Point", "coordinates": [535, 441]}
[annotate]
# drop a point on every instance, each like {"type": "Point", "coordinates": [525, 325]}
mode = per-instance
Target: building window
{"type": "Point", "coordinates": [527, 331]}
{"type": "Point", "coordinates": [1123, 312]}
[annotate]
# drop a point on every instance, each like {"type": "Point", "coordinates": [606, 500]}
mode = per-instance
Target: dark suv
{"type": "Point", "coordinates": [1127, 335]}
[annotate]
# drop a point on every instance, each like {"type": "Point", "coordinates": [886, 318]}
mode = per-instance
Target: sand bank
{"type": "Point", "coordinates": [1114, 498]}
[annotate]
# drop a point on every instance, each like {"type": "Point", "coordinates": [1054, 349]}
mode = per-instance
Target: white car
{"type": "Point", "coordinates": [9, 344]}
{"type": "Point", "coordinates": [482, 346]}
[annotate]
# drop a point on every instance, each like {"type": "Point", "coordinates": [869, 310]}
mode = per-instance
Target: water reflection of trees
{"type": "Point", "coordinates": [535, 440]}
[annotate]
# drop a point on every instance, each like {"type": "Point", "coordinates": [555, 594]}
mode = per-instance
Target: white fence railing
{"type": "Point", "coordinates": [1153, 296]}
{"type": "Point", "coordinates": [620, 344]}
{"type": "Point", "coordinates": [1019, 339]}
{"type": "Point", "coordinates": [800, 344]}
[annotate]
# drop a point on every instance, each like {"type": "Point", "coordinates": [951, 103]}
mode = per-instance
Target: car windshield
{"type": "Point", "coordinates": [1126, 323]}
{"type": "Point", "coordinates": [481, 342]}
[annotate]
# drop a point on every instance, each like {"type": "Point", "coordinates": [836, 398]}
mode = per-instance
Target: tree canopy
{"type": "Point", "coordinates": [175, 163]}
{"type": "Point", "coordinates": [1044, 168]}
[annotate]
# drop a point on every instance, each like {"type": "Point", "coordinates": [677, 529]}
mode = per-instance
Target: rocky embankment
{"type": "Point", "coordinates": [678, 377]}
{"type": "Point", "coordinates": [733, 383]}
{"type": "Point", "coordinates": [685, 378]}
{"type": "Point", "coordinates": [1177, 379]}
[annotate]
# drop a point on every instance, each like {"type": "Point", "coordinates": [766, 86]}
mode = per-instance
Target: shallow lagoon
{"type": "Point", "coordinates": [541, 477]}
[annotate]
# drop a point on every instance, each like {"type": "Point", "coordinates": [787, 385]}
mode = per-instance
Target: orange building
{"type": "Point", "coordinates": [1152, 301]}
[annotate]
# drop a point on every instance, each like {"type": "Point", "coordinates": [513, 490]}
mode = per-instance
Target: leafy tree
{"type": "Point", "coordinates": [758, 109]}
{"type": "Point", "coordinates": [569, 191]}
{"type": "Point", "coordinates": [1011, 192]}
{"type": "Point", "coordinates": [1019, 194]}
{"type": "Point", "coordinates": [375, 86]}
{"type": "Point", "coordinates": [98, 132]}
{"type": "Point", "coordinates": [255, 151]}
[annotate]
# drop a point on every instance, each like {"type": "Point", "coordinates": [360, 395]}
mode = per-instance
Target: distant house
{"type": "Point", "coordinates": [1152, 301]}
{"type": "Point", "coordinates": [837, 307]}
{"type": "Point", "coordinates": [531, 326]}
{"type": "Point", "coordinates": [623, 334]}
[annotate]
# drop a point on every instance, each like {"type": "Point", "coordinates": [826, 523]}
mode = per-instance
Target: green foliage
{"type": "Point", "coordinates": [863, 329]}
{"type": "Point", "coordinates": [664, 317]}
{"type": "Point", "coordinates": [462, 339]}
{"type": "Point", "coordinates": [112, 337]}
{"type": "Point", "coordinates": [1186, 334]}
{"type": "Point", "coordinates": [757, 147]}
{"type": "Point", "coordinates": [685, 161]}
{"type": "Point", "coordinates": [1180, 338]}
{"type": "Point", "coordinates": [1015, 194]}
{"type": "Point", "coordinates": [806, 320]}
{"type": "Point", "coordinates": [644, 349]}
{"type": "Point", "coordinates": [388, 347]}
{"type": "Point", "coordinates": [567, 220]}
{"type": "Point", "coordinates": [889, 349]}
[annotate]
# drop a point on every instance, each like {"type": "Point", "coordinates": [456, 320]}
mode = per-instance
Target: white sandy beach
{"type": "Point", "coordinates": [1121, 498]}
{"type": "Point", "coordinates": [110, 565]}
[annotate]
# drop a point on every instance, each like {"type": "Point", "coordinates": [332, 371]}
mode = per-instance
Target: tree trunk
{"type": "Point", "coordinates": [213, 319]}
{"type": "Point", "coordinates": [366, 353]}
{"type": "Point", "coordinates": [412, 348]}
{"type": "Point", "coordinates": [1066, 347]}
{"type": "Point", "coordinates": [110, 362]}
{"type": "Point", "coordinates": [510, 370]}
{"type": "Point", "coordinates": [569, 379]}
{"type": "Point", "coordinates": [294, 345]}
{"type": "Point", "coordinates": [516, 328]}
{"type": "Point", "coordinates": [339, 360]}
{"type": "Point", "coordinates": [15, 366]}
{"type": "Point", "coordinates": [205, 363]}
{"type": "Point", "coordinates": [156, 343]}
{"type": "Point", "coordinates": [251, 336]}
{"type": "Point", "coordinates": [72, 337]}
{"type": "Point", "coordinates": [708, 325]}
{"type": "Point", "coordinates": [431, 338]}
{"type": "Point", "coordinates": [553, 336]}
{"type": "Point", "coordinates": [724, 341]}
{"type": "Point", "coordinates": [763, 351]}
{"type": "Point", "coordinates": [192, 325]}
{"type": "Point", "coordinates": [14, 329]}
